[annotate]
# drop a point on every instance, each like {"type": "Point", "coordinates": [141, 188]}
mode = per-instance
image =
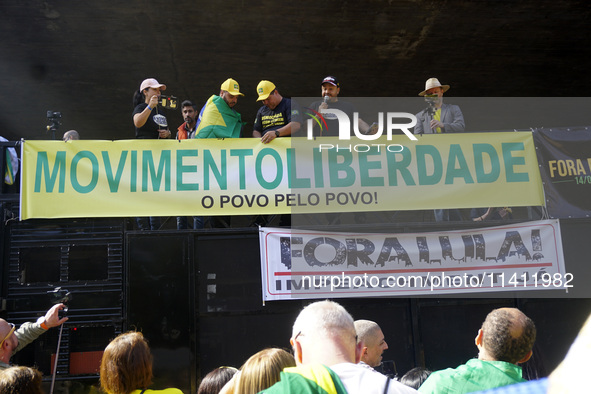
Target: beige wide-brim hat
{"type": "Point", "coordinates": [433, 83]}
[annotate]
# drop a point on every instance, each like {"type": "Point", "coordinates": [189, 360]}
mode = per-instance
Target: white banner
{"type": "Point", "coordinates": [301, 264]}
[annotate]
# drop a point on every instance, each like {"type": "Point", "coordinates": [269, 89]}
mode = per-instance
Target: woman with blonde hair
{"type": "Point", "coordinates": [20, 380]}
{"type": "Point", "coordinates": [261, 371]}
{"type": "Point", "coordinates": [126, 366]}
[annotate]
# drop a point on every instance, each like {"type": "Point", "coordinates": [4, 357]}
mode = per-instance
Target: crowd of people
{"type": "Point", "coordinates": [330, 353]}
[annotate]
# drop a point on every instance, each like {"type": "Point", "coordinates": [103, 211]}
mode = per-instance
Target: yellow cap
{"type": "Point", "coordinates": [264, 89]}
{"type": "Point", "coordinates": [231, 86]}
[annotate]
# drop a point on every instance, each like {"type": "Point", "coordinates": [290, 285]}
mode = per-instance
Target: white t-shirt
{"type": "Point", "coordinates": [361, 380]}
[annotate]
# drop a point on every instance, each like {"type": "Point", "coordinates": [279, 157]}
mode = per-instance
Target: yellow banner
{"type": "Point", "coordinates": [290, 175]}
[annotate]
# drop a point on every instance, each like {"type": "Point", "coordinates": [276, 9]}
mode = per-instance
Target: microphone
{"type": "Point", "coordinates": [326, 98]}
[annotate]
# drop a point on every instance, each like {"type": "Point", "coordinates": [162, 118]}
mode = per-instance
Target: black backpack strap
{"type": "Point", "coordinates": [387, 385]}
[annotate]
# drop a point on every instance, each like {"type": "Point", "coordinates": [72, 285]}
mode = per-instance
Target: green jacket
{"type": "Point", "coordinates": [475, 375]}
{"type": "Point", "coordinates": [25, 334]}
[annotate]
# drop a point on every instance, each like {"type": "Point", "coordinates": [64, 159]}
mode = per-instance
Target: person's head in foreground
{"type": "Point", "coordinates": [126, 365]}
{"type": "Point", "coordinates": [415, 377]}
{"type": "Point", "coordinates": [374, 342]}
{"type": "Point", "coordinates": [213, 382]}
{"type": "Point", "coordinates": [20, 380]}
{"type": "Point", "coordinates": [262, 370]}
{"type": "Point", "coordinates": [507, 334]}
{"type": "Point", "coordinates": [324, 333]}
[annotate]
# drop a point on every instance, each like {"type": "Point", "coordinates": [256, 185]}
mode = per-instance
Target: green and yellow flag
{"type": "Point", "coordinates": [219, 120]}
{"type": "Point", "coordinates": [308, 379]}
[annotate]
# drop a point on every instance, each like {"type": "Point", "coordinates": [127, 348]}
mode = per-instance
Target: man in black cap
{"type": "Point", "coordinates": [330, 92]}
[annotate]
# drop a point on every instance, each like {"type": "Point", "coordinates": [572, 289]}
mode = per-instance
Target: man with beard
{"type": "Point", "coordinates": [218, 118]}
{"type": "Point", "coordinates": [187, 129]}
{"type": "Point", "coordinates": [330, 99]}
{"type": "Point", "coordinates": [438, 117]}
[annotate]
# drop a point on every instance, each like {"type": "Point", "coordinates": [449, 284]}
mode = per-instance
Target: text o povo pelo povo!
{"type": "Point", "coordinates": [438, 281]}
{"type": "Point", "coordinates": [289, 200]}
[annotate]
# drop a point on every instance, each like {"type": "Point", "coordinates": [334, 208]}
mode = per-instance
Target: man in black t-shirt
{"type": "Point", "coordinates": [330, 92]}
{"type": "Point", "coordinates": [276, 118]}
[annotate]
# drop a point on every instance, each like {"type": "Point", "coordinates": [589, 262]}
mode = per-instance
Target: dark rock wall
{"type": "Point", "coordinates": [85, 59]}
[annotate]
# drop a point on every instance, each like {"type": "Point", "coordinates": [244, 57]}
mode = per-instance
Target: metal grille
{"type": "Point", "coordinates": [84, 256]}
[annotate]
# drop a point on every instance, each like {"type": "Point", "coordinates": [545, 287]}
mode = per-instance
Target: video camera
{"type": "Point", "coordinates": [60, 296]}
{"type": "Point", "coordinates": [54, 120]}
{"type": "Point", "coordinates": [168, 102]}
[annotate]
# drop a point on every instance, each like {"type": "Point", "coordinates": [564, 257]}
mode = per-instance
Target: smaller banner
{"type": "Point", "coordinates": [303, 264]}
{"type": "Point", "coordinates": [564, 156]}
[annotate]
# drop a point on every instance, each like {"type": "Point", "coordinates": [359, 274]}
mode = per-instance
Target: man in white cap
{"type": "Point", "coordinates": [438, 117]}
{"type": "Point", "coordinates": [276, 118]}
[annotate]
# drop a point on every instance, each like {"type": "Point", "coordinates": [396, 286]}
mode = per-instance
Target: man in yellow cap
{"type": "Point", "coordinates": [276, 118]}
{"type": "Point", "coordinates": [218, 118]}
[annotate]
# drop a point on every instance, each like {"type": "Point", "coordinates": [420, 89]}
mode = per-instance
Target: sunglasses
{"type": "Point", "coordinates": [9, 334]}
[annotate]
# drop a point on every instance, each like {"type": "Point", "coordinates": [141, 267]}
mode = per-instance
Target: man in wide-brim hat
{"type": "Point", "coordinates": [438, 117]}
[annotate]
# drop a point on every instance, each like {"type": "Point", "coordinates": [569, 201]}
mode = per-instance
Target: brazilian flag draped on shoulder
{"type": "Point", "coordinates": [219, 120]}
{"type": "Point", "coordinates": [308, 379]}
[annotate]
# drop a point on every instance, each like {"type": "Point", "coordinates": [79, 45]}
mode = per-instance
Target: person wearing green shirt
{"type": "Point", "coordinates": [12, 340]}
{"type": "Point", "coordinates": [505, 340]}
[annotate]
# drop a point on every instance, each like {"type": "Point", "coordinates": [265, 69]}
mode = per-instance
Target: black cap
{"type": "Point", "coordinates": [331, 80]}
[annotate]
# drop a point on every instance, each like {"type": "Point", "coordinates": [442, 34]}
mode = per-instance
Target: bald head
{"type": "Point", "coordinates": [324, 333]}
{"type": "Point", "coordinates": [508, 335]}
{"type": "Point", "coordinates": [9, 340]}
{"type": "Point", "coordinates": [71, 135]}
{"type": "Point", "coordinates": [4, 326]}
{"type": "Point", "coordinates": [373, 342]}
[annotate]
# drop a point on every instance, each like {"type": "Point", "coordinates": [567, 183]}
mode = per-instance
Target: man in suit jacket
{"type": "Point", "coordinates": [438, 117]}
